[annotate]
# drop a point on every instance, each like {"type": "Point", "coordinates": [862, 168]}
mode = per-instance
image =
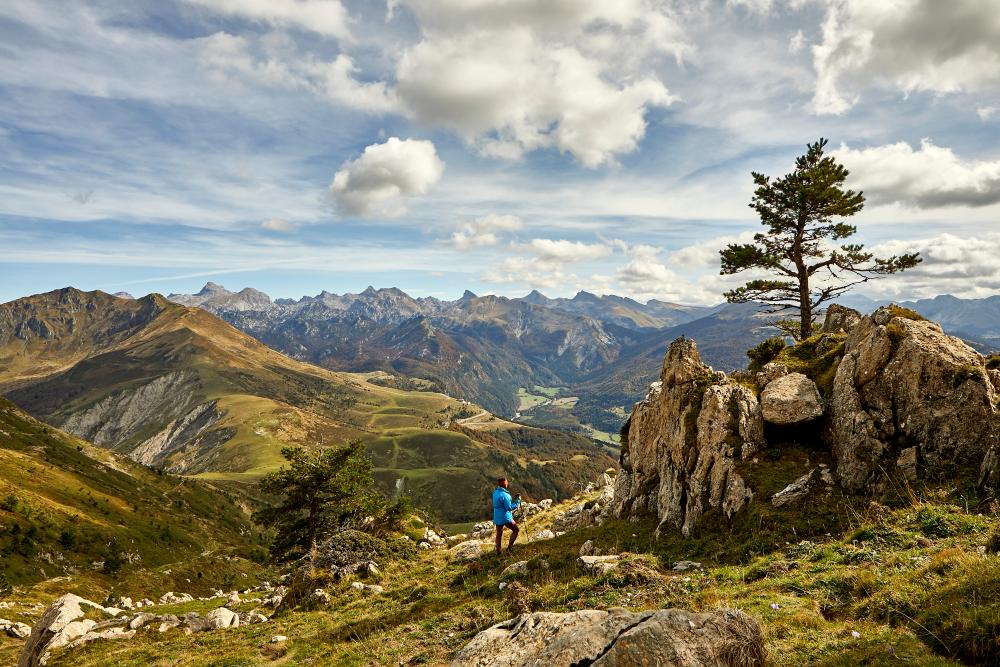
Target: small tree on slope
{"type": "Point", "coordinates": [801, 212]}
{"type": "Point", "coordinates": [322, 492]}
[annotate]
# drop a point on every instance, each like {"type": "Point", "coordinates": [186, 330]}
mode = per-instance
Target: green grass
{"type": "Point", "coordinates": [907, 579]}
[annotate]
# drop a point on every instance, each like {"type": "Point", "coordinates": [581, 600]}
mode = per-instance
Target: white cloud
{"type": "Point", "coordinates": [484, 231]}
{"type": "Point", "coordinates": [512, 76]}
{"type": "Point", "coordinates": [384, 175]}
{"type": "Point", "coordinates": [325, 17]}
{"type": "Point", "coordinates": [277, 225]}
{"type": "Point", "coordinates": [985, 113]}
{"type": "Point", "coordinates": [273, 61]}
{"type": "Point", "coordinates": [965, 266]}
{"type": "Point", "coordinates": [930, 177]}
{"type": "Point", "coordinates": [910, 45]}
{"type": "Point", "coordinates": [550, 251]}
{"type": "Point", "coordinates": [797, 42]}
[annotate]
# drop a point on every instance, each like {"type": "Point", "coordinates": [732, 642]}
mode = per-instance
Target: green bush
{"type": "Point", "coordinates": [352, 546]}
{"type": "Point", "coordinates": [993, 362]}
{"type": "Point", "coordinates": [905, 313]}
{"type": "Point", "coordinates": [765, 352]}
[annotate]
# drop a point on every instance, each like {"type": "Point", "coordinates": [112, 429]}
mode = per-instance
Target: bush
{"type": "Point", "coordinates": [353, 546]}
{"type": "Point", "coordinates": [905, 313]}
{"type": "Point", "coordinates": [5, 587]}
{"type": "Point", "coordinates": [765, 352]}
{"type": "Point", "coordinates": [993, 362]}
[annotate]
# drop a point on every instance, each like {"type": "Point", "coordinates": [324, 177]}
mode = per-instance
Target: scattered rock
{"type": "Point", "coordinates": [518, 569]}
{"type": "Point", "coordinates": [587, 548]}
{"type": "Point", "coordinates": [320, 597]}
{"type": "Point", "coordinates": [141, 620]}
{"type": "Point", "coordinates": [685, 565]}
{"type": "Point", "coordinates": [255, 617]}
{"type": "Point", "coordinates": [168, 622]}
{"type": "Point", "coordinates": [222, 618]}
{"type": "Point", "coordinates": [598, 565]}
{"type": "Point", "coordinates": [608, 638]}
{"type": "Point", "coordinates": [277, 639]}
{"type": "Point", "coordinates": [803, 486]}
{"type": "Point", "coordinates": [545, 504]}
{"type": "Point", "coordinates": [469, 550]}
{"type": "Point", "coordinates": [17, 630]}
{"type": "Point", "coordinates": [234, 598]}
{"type": "Point", "coordinates": [790, 399]}
{"type": "Point", "coordinates": [543, 535]}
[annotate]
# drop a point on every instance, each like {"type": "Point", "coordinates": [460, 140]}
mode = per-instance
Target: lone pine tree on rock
{"type": "Point", "coordinates": [802, 212]}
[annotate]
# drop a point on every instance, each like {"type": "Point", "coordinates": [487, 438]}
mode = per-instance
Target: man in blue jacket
{"type": "Point", "coordinates": [503, 512]}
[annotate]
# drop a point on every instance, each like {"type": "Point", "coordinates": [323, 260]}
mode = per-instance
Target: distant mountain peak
{"type": "Point", "coordinates": [212, 288]}
{"type": "Point", "coordinates": [467, 295]}
{"type": "Point", "coordinates": [586, 296]}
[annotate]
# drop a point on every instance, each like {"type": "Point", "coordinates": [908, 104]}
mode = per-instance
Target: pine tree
{"type": "Point", "coordinates": [321, 492]}
{"type": "Point", "coordinates": [802, 212]}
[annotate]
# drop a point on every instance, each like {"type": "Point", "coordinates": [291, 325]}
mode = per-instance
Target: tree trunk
{"type": "Point", "coordinates": [805, 308]}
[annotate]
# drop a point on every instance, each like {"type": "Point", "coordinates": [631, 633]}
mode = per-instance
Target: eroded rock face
{"type": "Point", "coordinates": [840, 318]}
{"type": "Point", "coordinates": [683, 441]}
{"type": "Point", "coordinates": [790, 399]}
{"type": "Point", "coordinates": [618, 637]}
{"type": "Point", "coordinates": [907, 395]}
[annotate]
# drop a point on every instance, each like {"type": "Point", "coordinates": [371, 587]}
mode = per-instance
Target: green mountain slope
{"type": "Point", "coordinates": [66, 504]}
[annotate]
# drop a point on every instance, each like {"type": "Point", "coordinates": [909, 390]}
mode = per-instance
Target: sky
{"type": "Point", "coordinates": [491, 145]}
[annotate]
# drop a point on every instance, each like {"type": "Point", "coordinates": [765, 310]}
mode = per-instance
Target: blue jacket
{"type": "Point", "coordinates": [503, 506]}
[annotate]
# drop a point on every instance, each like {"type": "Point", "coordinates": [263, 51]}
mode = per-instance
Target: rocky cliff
{"type": "Point", "coordinates": [898, 398]}
{"type": "Point", "coordinates": [684, 440]}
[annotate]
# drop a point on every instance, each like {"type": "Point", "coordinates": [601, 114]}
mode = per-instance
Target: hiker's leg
{"type": "Point", "coordinates": [499, 536]}
{"type": "Point", "coordinates": [514, 530]}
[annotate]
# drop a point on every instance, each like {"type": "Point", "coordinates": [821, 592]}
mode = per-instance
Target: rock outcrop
{"type": "Point", "coordinates": [618, 637]}
{"type": "Point", "coordinates": [683, 442]}
{"type": "Point", "coordinates": [907, 396]}
{"type": "Point", "coordinates": [790, 399]}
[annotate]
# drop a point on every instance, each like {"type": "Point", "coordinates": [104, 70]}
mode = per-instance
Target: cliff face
{"type": "Point", "coordinates": [683, 443]}
{"type": "Point", "coordinates": [906, 400]}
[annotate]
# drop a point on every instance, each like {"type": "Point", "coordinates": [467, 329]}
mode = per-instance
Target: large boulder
{"type": "Point", "coordinates": [61, 623]}
{"type": "Point", "coordinates": [908, 397]}
{"type": "Point", "coordinates": [683, 441]}
{"type": "Point", "coordinates": [790, 399]}
{"type": "Point", "coordinates": [618, 637]}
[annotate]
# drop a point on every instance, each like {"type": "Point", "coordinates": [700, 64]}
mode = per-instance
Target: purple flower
{"type": "Point", "coordinates": [855, 634]}
{"type": "Point", "coordinates": [775, 606]}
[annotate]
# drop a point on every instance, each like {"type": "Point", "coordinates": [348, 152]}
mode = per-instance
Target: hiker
{"type": "Point", "coordinates": [503, 508]}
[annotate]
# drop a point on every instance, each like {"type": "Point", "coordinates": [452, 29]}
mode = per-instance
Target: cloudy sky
{"type": "Point", "coordinates": [491, 145]}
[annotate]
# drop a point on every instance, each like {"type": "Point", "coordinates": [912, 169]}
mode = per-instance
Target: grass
{"type": "Point", "coordinates": [907, 579]}
{"type": "Point", "coordinates": [816, 357]}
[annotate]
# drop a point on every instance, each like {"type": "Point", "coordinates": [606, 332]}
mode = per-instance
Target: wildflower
{"type": "Point", "coordinates": [775, 606]}
{"type": "Point", "coordinates": [855, 634]}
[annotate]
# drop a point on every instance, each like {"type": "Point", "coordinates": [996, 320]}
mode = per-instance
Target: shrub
{"type": "Point", "coordinates": [993, 362]}
{"type": "Point", "coordinates": [352, 546]}
{"type": "Point", "coordinates": [896, 310]}
{"type": "Point", "coordinates": [9, 503]}
{"type": "Point", "coordinates": [765, 352]}
{"type": "Point", "coordinates": [5, 587]}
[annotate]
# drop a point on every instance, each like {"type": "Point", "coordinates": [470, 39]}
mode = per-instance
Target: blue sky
{"type": "Point", "coordinates": [491, 145]}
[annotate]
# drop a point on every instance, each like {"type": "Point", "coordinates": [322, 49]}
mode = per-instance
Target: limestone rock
{"type": "Point", "coordinates": [587, 548]}
{"type": "Point", "coordinates": [905, 383]}
{"type": "Point", "coordinates": [543, 535]}
{"type": "Point", "coordinates": [683, 442]}
{"type": "Point", "coordinates": [277, 639]}
{"type": "Point", "coordinates": [18, 630]}
{"type": "Point", "coordinates": [803, 486]}
{"type": "Point", "coordinates": [685, 565]}
{"type": "Point", "coordinates": [168, 622]}
{"type": "Point", "coordinates": [840, 318]}
{"type": "Point", "coordinates": [771, 372]}
{"type": "Point", "coordinates": [518, 569]}
{"type": "Point", "coordinates": [469, 550]}
{"type": "Point", "coordinates": [140, 620]}
{"type": "Point", "coordinates": [608, 638]}
{"type": "Point", "coordinates": [222, 618]}
{"type": "Point", "coordinates": [62, 622]}
{"type": "Point", "coordinates": [599, 565]}
{"type": "Point", "coordinates": [791, 399]}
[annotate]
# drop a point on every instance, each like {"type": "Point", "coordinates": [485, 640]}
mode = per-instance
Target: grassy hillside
{"type": "Point", "coordinates": [912, 582]}
{"type": "Point", "coordinates": [66, 505]}
{"type": "Point", "coordinates": [180, 389]}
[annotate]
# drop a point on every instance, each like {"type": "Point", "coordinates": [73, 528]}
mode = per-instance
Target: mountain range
{"type": "Point", "coordinates": [178, 389]}
{"type": "Point", "coordinates": [597, 353]}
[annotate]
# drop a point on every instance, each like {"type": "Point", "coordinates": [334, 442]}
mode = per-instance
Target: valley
{"type": "Point", "coordinates": [176, 388]}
